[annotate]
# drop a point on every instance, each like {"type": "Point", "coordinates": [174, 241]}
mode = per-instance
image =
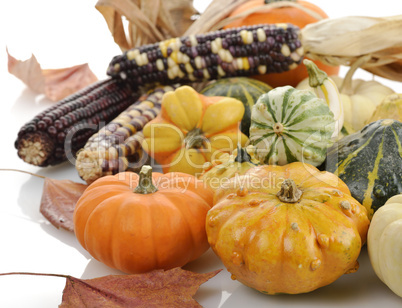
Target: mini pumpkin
{"type": "Point", "coordinates": [384, 243]}
{"type": "Point", "coordinates": [287, 229]}
{"type": "Point", "coordinates": [193, 129]}
{"type": "Point", "coordinates": [140, 223]}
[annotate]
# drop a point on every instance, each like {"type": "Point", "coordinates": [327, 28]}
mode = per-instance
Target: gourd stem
{"type": "Point", "coordinates": [289, 192]}
{"type": "Point", "coordinates": [145, 185]}
{"type": "Point", "coordinates": [316, 77]}
{"type": "Point", "coordinates": [194, 139]}
{"type": "Point", "coordinates": [242, 155]}
{"type": "Point", "coordinates": [346, 86]}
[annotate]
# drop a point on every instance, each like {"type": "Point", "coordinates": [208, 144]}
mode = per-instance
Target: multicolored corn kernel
{"type": "Point", "coordinates": [117, 146]}
{"type": "Point", "coordinates": [245, 51]}
{"type": "Point", "coordinates": [59, 131]}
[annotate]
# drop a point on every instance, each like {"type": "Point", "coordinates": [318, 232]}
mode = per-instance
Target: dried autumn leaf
{"type": "Point", "coordinates": [58, 201]}
{"type": "Point", "coordinates": [171, 288]}
{"type": "Point", "coordinates": [54, 83]}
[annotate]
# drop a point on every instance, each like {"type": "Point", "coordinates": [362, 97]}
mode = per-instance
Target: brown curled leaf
{"type": "Point", "coordinates": [59, 198]}
{"type": "Point", "coordinates": [54, 83]}
{"type": "Point", "coordinates": [159, 288]}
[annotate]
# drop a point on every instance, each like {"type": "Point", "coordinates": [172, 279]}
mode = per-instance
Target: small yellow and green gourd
{"type": "Point", "coordinates": [289, 125]}
{"type": "Point", "coordinates": [370, 162]}
{"type": "Point", "coordinates": [217, 173]}
{"type": "Point", "coordinates": [384, 243]}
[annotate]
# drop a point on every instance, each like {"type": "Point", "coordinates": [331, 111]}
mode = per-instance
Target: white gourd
{"type": "Point", "coordinates": [384, 243]}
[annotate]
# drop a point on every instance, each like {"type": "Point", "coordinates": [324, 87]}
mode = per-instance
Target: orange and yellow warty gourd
{"type": "Point", "coordinates": [141, 223]}
{"type": "Point", "coordinates": [287, 229]}
{"type": "Point", "coordinates": [193, 129]}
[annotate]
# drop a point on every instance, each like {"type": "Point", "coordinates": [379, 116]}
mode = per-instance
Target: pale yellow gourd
{"type": "Point", "coordinates": [390, 108]}
{"type": "Point", "coordinates": [384, 243]}
{"type": "Point", "coordinates": [359, 97]}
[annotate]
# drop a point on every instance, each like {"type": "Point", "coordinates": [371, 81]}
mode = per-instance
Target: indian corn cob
{"type": "Point", "coordinates": [245, 51]}
{"type": "Point", "coordinates": [117, 146]}
{"type": "Point", "coordinates": [55, 134]}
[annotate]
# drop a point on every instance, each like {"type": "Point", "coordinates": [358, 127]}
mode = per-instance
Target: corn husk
{"type": "Point", "coordinates": [217, 14]}
{"type": "Point", "coordinates": [133, 23]}
{"type": "Point", "coordinates": [343, 41]}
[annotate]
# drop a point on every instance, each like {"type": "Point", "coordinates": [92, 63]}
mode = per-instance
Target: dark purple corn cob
{"type": "Point", "coordinates": [61, 130]}
{"type": "Point", "coordinates": [245, 51]}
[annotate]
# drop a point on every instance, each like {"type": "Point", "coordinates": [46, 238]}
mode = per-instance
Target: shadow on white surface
{"type": "Point", "coordinates": [28, 104]}
{"type": "Point", "coordinates": [351, 290]}
{"type": "Point", "coordinates": [95, 269]}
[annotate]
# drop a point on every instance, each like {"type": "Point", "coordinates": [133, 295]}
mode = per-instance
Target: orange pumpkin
{"type": "Point", "coordinates": [286, 14]}
{"type": "Point", "coordinates": [287, 229]}
{"type": "Point", "coordinates": [140, 223]}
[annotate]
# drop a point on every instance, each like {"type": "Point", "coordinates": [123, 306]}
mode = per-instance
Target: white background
{"type": "Point", "coordinates": [67, 33]}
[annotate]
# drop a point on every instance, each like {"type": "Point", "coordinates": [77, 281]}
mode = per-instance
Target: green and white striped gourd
{"type": "Point", "coordinates": [289, 125]}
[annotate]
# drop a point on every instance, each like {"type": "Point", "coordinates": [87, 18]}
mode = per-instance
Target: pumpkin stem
{"type": "Point", "coordinates": [346, 86]}
{"type": "Point", "coordinates": [194, 139]}
{"type": "Point", "coordinates": [316, 77]}
{"type": "Point", "coordinates": [289, 192]}
{"type": "Point", "coordinates": [145, 185]}
{"type": "Point", "coordinates": [242, 155]}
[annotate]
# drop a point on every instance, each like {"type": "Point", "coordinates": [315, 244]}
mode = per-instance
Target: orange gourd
{"type": "Point", "coordinates": [193, 129]}
{"type": "Point", "coordinates": [287, 229]}
{"type": "Point", "coordinates": [140, 223]}
{"type": "Point", "coordinates": [282, 14]}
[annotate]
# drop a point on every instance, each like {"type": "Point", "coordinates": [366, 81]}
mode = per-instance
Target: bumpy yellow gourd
{"type": "Point", "coordinates": [286, 229]}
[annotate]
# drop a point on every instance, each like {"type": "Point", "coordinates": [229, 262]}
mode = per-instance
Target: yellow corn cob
{"type": "Point", "coordinates": [117, 146]}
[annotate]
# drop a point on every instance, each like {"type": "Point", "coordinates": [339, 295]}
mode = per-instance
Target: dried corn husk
{"type": "Point", "coordinates": [148, 21]}
{"type": "Point", "coordinates": [342, 41]}
{"type": "Point", "coordinates": [216, 14]}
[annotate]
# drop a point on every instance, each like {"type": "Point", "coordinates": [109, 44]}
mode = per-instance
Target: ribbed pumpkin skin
{"type": "Point", "coordinates": [306, 124]}
{"type": "Point", "coordinates": [136, 232]}
{"type": "Point", "coordinates": [246, 90]}
{"type": "Point", "coordinates": [370, 162]}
